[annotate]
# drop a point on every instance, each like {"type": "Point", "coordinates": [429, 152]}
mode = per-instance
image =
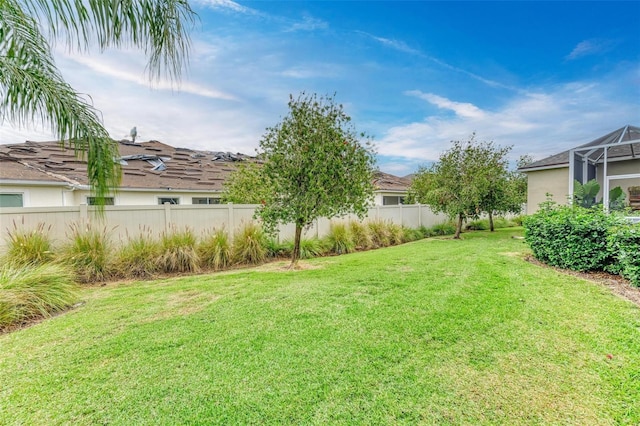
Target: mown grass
{"type": "Point", "coordinates": [432, 332]}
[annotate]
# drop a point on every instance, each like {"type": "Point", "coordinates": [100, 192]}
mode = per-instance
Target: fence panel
{"type": "Point", "coordinates": [121, 221]}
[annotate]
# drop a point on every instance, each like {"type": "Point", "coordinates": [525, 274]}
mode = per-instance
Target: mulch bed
{"type": "Point", "coordinates": [615, 283]}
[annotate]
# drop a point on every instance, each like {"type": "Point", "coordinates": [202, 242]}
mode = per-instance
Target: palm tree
{"type": "Point", "coordinates": [33, 90]}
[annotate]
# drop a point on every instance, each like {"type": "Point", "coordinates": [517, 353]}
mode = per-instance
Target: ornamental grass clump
{"type": "Point", "coordinates": [138, 257]}
{"type": "Point", "coordinates": [396, 234]}
{"type": "Point", "coordinates": [178, 251]}
{"type": "Point", "coordinates": [215, 250]}
{"type": "Point", "coordinates": [250, 245]}
{"type": "Point", "coordinates": [380, 234]}
{"type": "Point", "coordinates": [445, 228]}
{"type": "Point", "coordinates": [88, 253]}
{"type": "Point", "coordinates": [28, 246]}
{"type": "Point", "coordinates": [309, 248]}
{"type": "Point", "coordinates": [361, 235]}
{"type": "Point", "coordinates": [31, 291]}
{"type": "Point", "coordinates": [340, 239]}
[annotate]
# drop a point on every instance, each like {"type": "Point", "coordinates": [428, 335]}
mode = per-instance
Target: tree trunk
{"type": "Point", "coordinates": [491, 228]}
{"type": "Point", "coordinates": [458, 227]}
{"type": "Point", "coordinates": [295, 256]}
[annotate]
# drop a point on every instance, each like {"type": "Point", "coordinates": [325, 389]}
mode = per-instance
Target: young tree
{"type": "Point", "coordinates": [496, 185]}
{"type": "Point", "coordinates": [32, 88]}
{"type": "Point", "coordinates": [317, 166]}
{"type": "Point", "coordinates": [467, 180]}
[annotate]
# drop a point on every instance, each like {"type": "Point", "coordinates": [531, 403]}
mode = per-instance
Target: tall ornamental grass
{"type": "Point", "coordinates": [28, 246]}
{"type": "Point", "coordinates": [138, 257]}
{"type": "Point", "coordinates": [178, 251]}
{"type": "Point", "coordinates": [31, 291]}
{"type": "Point", "coordinates": [88, 252]}
{"type": "Point", "coordinates": [361, 235]}
{"type": "Point", "coordinates": [250, 245]}
{"type": "Point", "coordinates": [380, 233]}
{"type": "Point", "coordinates": [215, 250]}
{"type": "Point", "coordinates": [340, 239]}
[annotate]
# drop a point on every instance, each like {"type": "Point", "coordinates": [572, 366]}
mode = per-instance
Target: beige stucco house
{"type": "Point", "coordinates": [613, 160]}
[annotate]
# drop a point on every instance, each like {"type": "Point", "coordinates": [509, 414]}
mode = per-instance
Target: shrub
{"type": "Point", "coordinates": [215, 250]}
{"type": "Point", "coordinates": [623, 243]}
{"type": "Point", "coordinates": [517, 220]}
{"type": "Point", "coordinates": [396, 233]}
{"type": "Point", "coordinates": [340, 239]}
{"type": "Point", "coordinates": [478, 225]}
{"type": "Point", "coordinates": [380, 234]}
{"type": "Point", "coordinates": [26, 247]}
{"type": "Point", "coordinates": [309, 248]}
{"type": "Point", "coordinates": [278, 250]}
{"type": "Point", "coordinates": [138, 257]}
{"type": "Point", "coordinates": [426, 232]}
{"type": "Point", "coordinates": [178, 251]}
{"type": "Point", "coordinates": [32, 291]}
{"type": "Point", "coordinates": [361, 235]}
{"type": "Point", "coordinates": [88, 253]}
{"type": "Point", "coordinates": [570, 237]}
{"type": "Point", "coordinates": [445, 228]}
{"type": "Point", "coordinates": [250, 245]}
{"type": "Point", "coordinates": [410, 234]}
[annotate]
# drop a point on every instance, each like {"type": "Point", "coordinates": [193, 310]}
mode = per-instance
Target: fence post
{"type": "Point", "coordinates": [167, 216]}
{"type": "Point", "coordinates": [230, 219]}
{"type": "Point", "coordinates": [84, 213]}
{"type": "Point", "coordinates": [419, 215]}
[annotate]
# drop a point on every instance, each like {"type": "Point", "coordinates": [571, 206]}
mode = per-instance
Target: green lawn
{"type": "Point", "coordinates": [433, 332]}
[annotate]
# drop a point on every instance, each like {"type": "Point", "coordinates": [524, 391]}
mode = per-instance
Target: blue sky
{"type": "Point", "coordinates": [540, 76]}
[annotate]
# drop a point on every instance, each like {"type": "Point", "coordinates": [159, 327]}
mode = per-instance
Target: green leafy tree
{"type": "Point", "coordinates": [317, 166]}
{"type": "Point", "coordinates": [247, 185]}
{"type": "Point", "coordinates": [501, 191]}
{"type": "Point", "coordinates": [467, 180]}
{"type": "Point", "coordinates": [32, 88]}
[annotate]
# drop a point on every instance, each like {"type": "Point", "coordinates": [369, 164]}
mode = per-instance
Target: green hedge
{"type": "Point", "coordinates": [585, 240]}
{"type": "Point", "coordinates": [623, 243]}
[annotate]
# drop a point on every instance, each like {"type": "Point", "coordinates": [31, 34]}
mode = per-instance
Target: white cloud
{"type": "Point", "coordinates": [461, 109]}
{"type": "Point", "coordinates": [114, 66]}
{"type": "Point", "coordinates": [308, 23]}
{"type": "Point", "coordinates": [540, 124]}
{"type": "Point", "coordinates": [226, 5]}
{"type": "Point", "coordinates": [590, 47]}
{"type": "Point", "coordinates": [393, 44]}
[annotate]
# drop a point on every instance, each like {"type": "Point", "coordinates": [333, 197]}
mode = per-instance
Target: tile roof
{"type": "Point", "coordinates": [624, 134]}
{"type": "Point", "coordinates": [146, 165]}
{"type": "Point", "coordinates": [386, 182]}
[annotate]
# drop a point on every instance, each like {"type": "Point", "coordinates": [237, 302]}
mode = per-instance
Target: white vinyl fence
{"type": "Point", "coordinates": [123, 221]}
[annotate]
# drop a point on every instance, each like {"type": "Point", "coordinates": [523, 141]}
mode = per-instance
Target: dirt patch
{"type": "Point", "coordinates": [615, 283]}
{"type": "Point", "coordinates": [284, 266]}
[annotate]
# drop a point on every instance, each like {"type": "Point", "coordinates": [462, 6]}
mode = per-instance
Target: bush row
{"type": "Point", "coordinates": [582, 239]}
{"type": "Point", "coordinates": [38, 279]}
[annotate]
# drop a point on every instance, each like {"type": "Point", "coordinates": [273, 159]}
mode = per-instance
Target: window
{"type": "Point", "coordinates": [11, 200]}
{"type": "Point", "coordinates": [170, 200]}
{"type": "Point", "coordinates": [108, 201]}
{"type": "Point", "coordinates": [205, 200]}
{"type": "Point", "coordinates": [392, 200]}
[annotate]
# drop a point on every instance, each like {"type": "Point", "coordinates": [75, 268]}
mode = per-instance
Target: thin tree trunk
{"type": "Point", "coordinates": [458, 227]}
{"type": "Point", "coordinates": [491, 228]}
{"type": "Point", "coordinates": [295, 256]}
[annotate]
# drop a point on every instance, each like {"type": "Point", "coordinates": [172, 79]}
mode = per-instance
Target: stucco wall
{"type": "Point", "coordinates": [541, 182]}
{"type": "Point", "coordinates": [40, 196]}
